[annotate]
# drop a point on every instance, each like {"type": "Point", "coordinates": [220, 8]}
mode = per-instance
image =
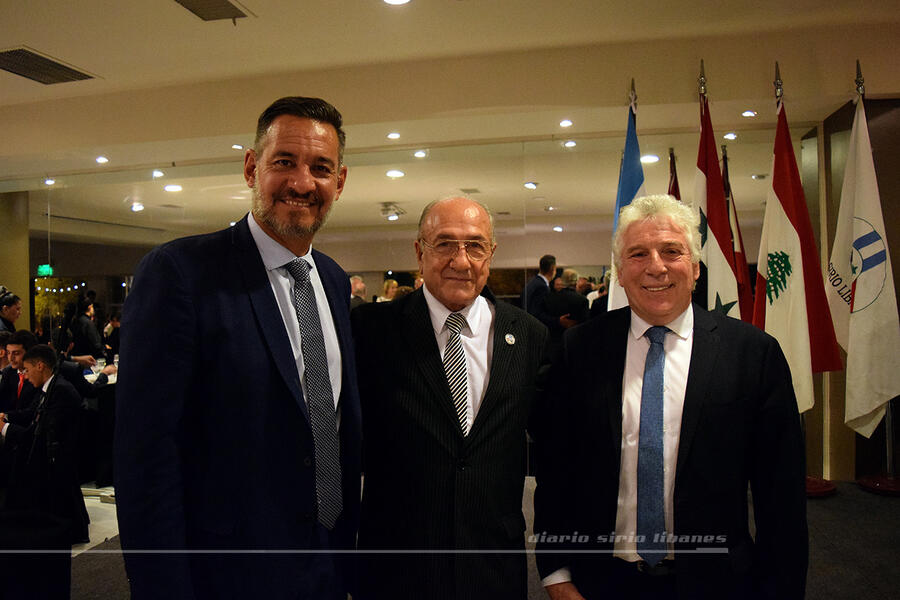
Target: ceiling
{"type": "Point", "coordinates": [480, 84]}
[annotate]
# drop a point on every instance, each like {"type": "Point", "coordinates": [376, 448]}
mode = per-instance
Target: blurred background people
{"type": "Point", "coordinates": [390, 288]}
{"type": "Point", "coordinates": [85, 336]}
{"type": "Point", "coordinates": [357, 291]}
{"type": "Point", "coordinates": [10, 309]}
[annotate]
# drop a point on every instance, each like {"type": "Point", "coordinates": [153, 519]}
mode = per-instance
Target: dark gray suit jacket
{"type": "Point", "coordinates": [426, 486]}
{"type": "Point", "coordinates": [739, 429]}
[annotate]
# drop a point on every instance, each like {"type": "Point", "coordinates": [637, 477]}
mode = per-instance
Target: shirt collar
{"type": "Point", "coordinates": [273, 254]}
{"type": "Point", "coordinates": [473, 313]}
{"type": "Point", "coordinates": [682, 325]}
{"type": "Point", "coordinates": [46, 385]}
{"type": "Point", "coordinates": [547, 281]}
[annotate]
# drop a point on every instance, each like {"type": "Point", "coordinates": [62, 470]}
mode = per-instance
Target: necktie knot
{"type": "Point", "coordinates": [657, 334]}
{"type": "Point", "coordinates": [299, 269]}
{"type": "Point", "coordinates": [455, 322]}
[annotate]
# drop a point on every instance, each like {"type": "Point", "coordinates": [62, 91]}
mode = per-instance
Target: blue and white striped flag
{"type": "Point", "coordinates": [631, 186]}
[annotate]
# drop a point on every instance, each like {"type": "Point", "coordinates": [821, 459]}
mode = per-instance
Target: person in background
{"type": "Point", "coordinates": [10, 310]}
{"type": "Point", "coordinates": [4, 359]}
{"type": "Point", "coordinates": [85, 336]}
{"type": "Point", "coordinates": [357, 291]}
{"type": "Point", "coordinates": [664, 415]}
{"type": "Point", "coordinates": [539, 285]}
{"type": "Point", "coordinates": [15, 390]}
{"type": "Point", "coordinates": [566, 306]}
{"type": "Point", "coordinates": [419, 281]}
{"type": "Point", "coordinates": [390, 288]}
{"type": "Point", "coordinates": [448, 380]}
{"type": "Point", "coordinates": [237, 411]}
{"type": "Point", "coordinates": [111, 335]}
{"type": "Point", "coordinates": [583, 286]}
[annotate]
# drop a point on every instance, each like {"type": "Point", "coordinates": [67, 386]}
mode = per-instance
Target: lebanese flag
{"type": "Point", "coordinates": [741, 270]}
{"type": "Point", "coordinates": [716, 251]}
{"type": "Point", "coordinates": [861, 291]}
{"type": "Point", "coordinates": [790, 296]}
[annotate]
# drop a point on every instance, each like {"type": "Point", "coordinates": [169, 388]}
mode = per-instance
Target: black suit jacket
{"type": "Point", "coordinates": [533, 301]}
{"type": "Point", "coordinates": [426, 486]}
{"type": "Point", "coordinates": [44, 475]}
{"type": "Point", "coordinates": [10, 400]}
{"type": "Point", "coordinates": [213, 446]}
{"type": "Point", "coordinates": [739, 428]}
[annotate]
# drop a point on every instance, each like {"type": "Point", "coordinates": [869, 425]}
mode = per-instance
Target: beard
{"type": "Point", "coordinates": [265, 213]}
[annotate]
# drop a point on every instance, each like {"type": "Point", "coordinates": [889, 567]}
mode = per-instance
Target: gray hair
{"type": "Point", "coordinates": [433, 203]}
{"type": "Point", "coordinates": [651, 208]}
{"type": "Point", "coordinates": [569, 277]}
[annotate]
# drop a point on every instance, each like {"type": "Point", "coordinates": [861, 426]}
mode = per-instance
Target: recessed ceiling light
{"type": "Point", "coordinates": [396, 2]}
{"type": "Point", "coordinates": [173, 187]}
{"type": "Point", "coordinates": [49, 181]}
{"type": "Point", "coordinates": [237, 147]}
{"type": "Point", "coordinates": [558, 229]}
{"type": "Point", "coordinates": [157, 174]}
{"type": "Point", "coordinates": [136, 206]}
{"type": "Point", "coordinates": [232, 224]}
{"type": "Point", "coordinates": [393, 135]}
{"type": "Point", "coordinates": [570, 144]}
{"type": "Point", "coordinates": [749, 114]}
{"type": "Point", "coordinates": [395, 173]}
{"type": "Point", "coordinates": [549, 208]}
{"type": "Point", "coordinates": [390, 272]}
{"type": "Point", "coordinates": [730, 136]}
{"type": "Point", "coordinates": [649, 159]}
{"type": "Point", "coordinates": [123, 284]}
{"type": "Point", "coordinates": [530, 185]}
{"type": "Point", "coordinates": [420, 153]}
{"type": "Point", "coordinates": [565, 123]}
{"type": "Point", "coordinates": [393, 217]}
{"type": "Point", "coordinates": [101, 160]}
{"type": "Point", "coordinates": [758, 176]}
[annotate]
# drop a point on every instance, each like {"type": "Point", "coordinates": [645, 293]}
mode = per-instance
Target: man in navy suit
{"type": "Point", "coordinates": [237, 417]}
{"type": "Point", "coordinates": [664, 416]}
{"type": "Point", "coordinates": [539, 286]}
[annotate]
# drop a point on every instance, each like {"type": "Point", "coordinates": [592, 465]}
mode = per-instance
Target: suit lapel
{"type": "Point", "coordinates": [612, 359]}
{"type": "Point", "coordinates": [704, 352]}
{"type": "Point", "coordinates": [265, 308]}
{"type": "Point", "coordinates": [419, 334]}
{"type": "Point", "coordinates": [502, 359]}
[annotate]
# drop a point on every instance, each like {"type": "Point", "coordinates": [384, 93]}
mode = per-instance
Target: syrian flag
{"type": "Point", "coordinates": [860, 288]}
{"type": "Point", "coordinates": [716, 252]}
{"type": "Point", "coordinates": [631, 186]}
{"type": "Point", "coordinates": [790, 297]}
{"type": "Point", "coordinates": [673, 189]}
{"type": "Point", "coordinates": [741, 270]}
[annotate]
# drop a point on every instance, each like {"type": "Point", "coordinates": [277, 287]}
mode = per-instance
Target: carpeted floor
{"type": "Point", "coordinates": [853, 539]}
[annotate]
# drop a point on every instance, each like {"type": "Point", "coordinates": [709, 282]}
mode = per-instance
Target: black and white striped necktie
{"type": "Point", "coordinates": [455, 367]}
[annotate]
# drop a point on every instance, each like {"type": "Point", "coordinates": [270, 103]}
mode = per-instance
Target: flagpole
{"type": "Point", "coordinates": [881, 484]}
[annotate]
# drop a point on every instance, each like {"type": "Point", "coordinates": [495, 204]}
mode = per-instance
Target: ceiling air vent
{"type": "Point", "coordinates": [213, 10]}
{"type": "Point", "coordinates": [27, 63]}
{"type": "Point", "coordinates": [470, 190]}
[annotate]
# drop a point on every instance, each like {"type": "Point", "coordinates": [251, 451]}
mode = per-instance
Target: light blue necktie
{"type": "Point", "coordinates": [651, 519]}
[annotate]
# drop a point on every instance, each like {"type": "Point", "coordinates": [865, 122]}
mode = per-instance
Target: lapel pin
{"type": "Point", "coordinates": [510, 339]}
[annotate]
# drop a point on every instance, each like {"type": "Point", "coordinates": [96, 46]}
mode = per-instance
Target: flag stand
{"type": "Point", "coordinates": [887, 484]}
{"type": "Point", "coordinates": [816, 487]}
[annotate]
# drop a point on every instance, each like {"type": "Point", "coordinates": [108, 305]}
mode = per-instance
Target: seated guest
{"type": "Point", "coordinates": [10, 309]}
{"type": "Point", "coordinates": [43, 488]}
{"type": "Point", "coordinates": [15, 390]}
{"type": "Point", "coordinates": [390, 288]}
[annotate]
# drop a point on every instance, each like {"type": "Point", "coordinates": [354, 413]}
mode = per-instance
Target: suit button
{"type": "Point", "coordinates": [307, 461]}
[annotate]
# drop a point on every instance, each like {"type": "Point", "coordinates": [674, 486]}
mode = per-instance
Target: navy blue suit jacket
{"type": "Point", "coordinates": [213, 445]}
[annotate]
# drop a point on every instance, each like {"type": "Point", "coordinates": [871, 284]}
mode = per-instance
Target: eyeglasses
{"type": "Point", "coordinates": [475, 249]}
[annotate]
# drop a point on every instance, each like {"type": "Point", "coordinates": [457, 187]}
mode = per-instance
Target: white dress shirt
{"type": "Point", "coordinates": [677, 345]}
{"type": "Point", "coordinates": [274, 257]}
{"type": "Point", "coordinates": [477, 340]}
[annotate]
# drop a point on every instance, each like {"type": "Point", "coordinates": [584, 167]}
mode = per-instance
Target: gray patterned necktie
{"type": "Point", "coordinates": [320, 398]}
{"type": "Point", "coordinates": [651, 517]}
{"type": "Point", "coordinates": [455, 367]}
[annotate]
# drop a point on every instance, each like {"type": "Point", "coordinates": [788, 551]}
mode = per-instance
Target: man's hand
{"type": "Point", "coordinates": [86, 360]}
{"type": "Point", "coordinates": [566, 322]}
{"type": "Point", "coordinates": [563, 591]}
{"type": "Point", "coordinates": [109, 369]}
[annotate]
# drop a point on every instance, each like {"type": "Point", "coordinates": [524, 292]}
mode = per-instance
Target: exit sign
{"type": "Point", "coordinates": [44, 270]}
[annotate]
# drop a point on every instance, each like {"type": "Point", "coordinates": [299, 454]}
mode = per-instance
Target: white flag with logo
{"type": "Point", "coordinates": [860, 289]}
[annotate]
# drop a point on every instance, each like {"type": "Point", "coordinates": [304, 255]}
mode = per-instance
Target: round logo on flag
{"type": "Point", "coordinates": [868, 263]}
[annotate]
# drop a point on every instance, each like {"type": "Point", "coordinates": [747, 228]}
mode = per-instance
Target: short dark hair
{"type": "Point", "coordinates": [7, 298]}
{"type": "Point", "coordinates": [305, 108]}
{"type": "Point", "coordinates": [4, 337]}
{"type": "Point", "coordinates": [548, 261]}
{"type": "Point", "coordinates": [41, 353]}
{"type": "Point", "coordinates": [23, 338]}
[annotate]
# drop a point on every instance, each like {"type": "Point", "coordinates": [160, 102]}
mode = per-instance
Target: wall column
{"type": "Point", "coordinates": [14, 267]}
